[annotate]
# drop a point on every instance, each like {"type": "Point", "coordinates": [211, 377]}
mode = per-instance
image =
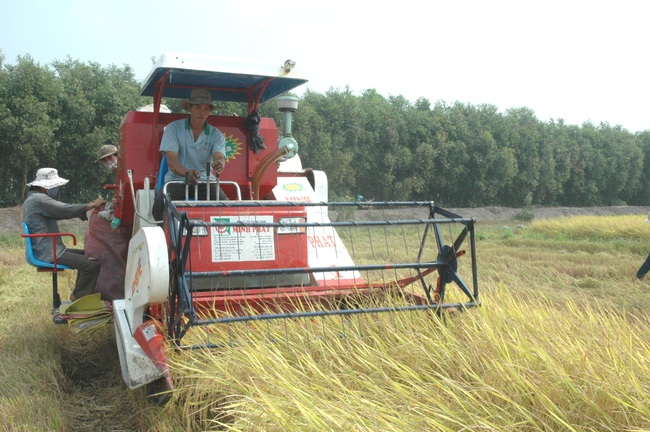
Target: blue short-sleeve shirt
{"type": "Point", "coordinates": [193, 155]}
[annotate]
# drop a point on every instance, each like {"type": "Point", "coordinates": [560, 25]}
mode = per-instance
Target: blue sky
{"type": "Point", "coordinates": [573, 60]}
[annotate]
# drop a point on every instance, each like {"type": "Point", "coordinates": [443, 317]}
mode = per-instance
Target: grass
{"type": "Point", "coordinates": [562, 342]}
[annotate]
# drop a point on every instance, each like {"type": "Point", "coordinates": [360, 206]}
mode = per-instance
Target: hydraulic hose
{"type": "Point", "coordinates": [260, 170]}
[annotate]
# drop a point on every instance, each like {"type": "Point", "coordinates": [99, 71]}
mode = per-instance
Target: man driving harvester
{"type": "Point", "coordinates": [189, 145]}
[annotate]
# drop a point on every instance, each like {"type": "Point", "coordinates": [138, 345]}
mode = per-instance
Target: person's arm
{"type": "Point", "coordinates": [178, 169]}
{"type": "Point", "coordinates": [218, 162]}
{"type": "Point", "coordinates": [51, 208]}
{"type": "Point", "coordinates": [98, 202]}
{"type": "Point", "coordinates": [218, 151]}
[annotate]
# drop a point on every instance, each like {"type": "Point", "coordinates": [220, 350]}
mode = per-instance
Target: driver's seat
{"type": "Point", "coordinates": [162, 171]}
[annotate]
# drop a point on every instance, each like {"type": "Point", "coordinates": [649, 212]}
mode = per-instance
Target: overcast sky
{"type": "Point", "coordinates": [573, 60]}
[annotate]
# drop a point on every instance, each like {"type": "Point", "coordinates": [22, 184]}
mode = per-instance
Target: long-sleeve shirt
{"type": "Point", "coordinates": [41, 213]}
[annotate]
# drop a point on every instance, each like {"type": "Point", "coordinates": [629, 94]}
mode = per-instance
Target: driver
{"type": "Point", "coordinates": [190, 144]}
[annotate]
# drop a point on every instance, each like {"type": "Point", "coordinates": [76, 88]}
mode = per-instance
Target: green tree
{"type": "Point", "coordinates": [562, 147]}
{"type": "Point", "coordinates": [618, 163]}
{"type": "Point", "coordinates": [413, 170]}
{"type": "Point", "coordinates": [29, 115]}
{"type": "Point", "coordinates": [326, 131]}
{"type": "Point", "coordinates": [642, 193]}
{"type": "Point", "coordinates": [377, 150]}
{"type": "Point", "coordinates": [94, 101]}
{"type": "Point", "coordinates": [388, 149]}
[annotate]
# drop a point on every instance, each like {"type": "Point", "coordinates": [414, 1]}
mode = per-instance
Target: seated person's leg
{"type": "Point", "coordinates": [87, 271]}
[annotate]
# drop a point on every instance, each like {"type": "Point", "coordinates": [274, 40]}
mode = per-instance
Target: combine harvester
{"type": "Point", "coordinates": [277, 249]}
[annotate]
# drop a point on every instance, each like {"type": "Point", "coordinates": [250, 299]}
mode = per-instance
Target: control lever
{"type": "Point", "coordinates": [207, 186]}
{"type": "Point", "coordinates": [218, 187]}
{"type": "Point", "coordinates": [187, 185]}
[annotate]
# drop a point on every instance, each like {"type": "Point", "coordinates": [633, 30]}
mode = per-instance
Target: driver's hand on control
{"type": "Point", "coordinates": [217, 166]}
{"type": "Point", "coordinates": [193, 177]}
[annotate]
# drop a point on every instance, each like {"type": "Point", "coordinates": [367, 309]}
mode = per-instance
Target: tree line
{"type": "Point", "coordinates": [457, 154]}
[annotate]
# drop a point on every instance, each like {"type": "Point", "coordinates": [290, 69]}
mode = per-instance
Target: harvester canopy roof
{"type": "Point", "coordinates": [229, 80]}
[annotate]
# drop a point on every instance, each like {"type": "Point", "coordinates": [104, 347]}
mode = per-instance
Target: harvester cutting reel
{"type": "Point", "coordinates": [337, 280]}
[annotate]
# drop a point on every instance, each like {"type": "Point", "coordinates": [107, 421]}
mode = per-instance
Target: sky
{"type": "Point", "coordinates": [572, 60]}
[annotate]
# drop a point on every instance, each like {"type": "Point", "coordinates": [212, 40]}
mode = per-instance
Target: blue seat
{"type": "Point", "coordinates": [42, 266]}
{"type": "Point", "coordinates": [29, 251]}
{"type": "Point", "coordinates": [162, 171]}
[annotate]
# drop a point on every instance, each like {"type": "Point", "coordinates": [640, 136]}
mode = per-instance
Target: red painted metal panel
{"type": "Point", "coordinates": [138, 152]}
{"type": "Point", "coordinates": [289, 250]}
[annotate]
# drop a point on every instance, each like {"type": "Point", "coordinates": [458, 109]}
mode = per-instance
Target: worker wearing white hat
{"type": "Point", "coordinates": [41, 211]}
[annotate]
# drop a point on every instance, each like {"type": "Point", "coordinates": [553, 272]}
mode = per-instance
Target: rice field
{"type": "Point", "coordinates": [562, 342]}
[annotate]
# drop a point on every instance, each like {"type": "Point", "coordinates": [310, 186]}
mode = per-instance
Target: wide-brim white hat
{"type": "Point", "coordinates": [48, 178]}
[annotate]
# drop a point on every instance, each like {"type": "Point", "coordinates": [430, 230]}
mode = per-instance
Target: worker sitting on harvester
{"type": "Point", "coordinates": [189, 145]}
{"type": "Point", "coordinates": [41, 211]}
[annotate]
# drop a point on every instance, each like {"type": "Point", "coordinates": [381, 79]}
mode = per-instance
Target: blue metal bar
{"type": "Point", "coordinates": [434, 264]}
{"type": "Point", "coordinates": [204, 224]}
{"type": "Point", "coordinates": [322, 313]}
{"type": "Point", "coordinates": [387, 204]}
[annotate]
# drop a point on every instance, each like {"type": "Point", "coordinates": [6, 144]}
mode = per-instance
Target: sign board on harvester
{"type": "Point", "coordinates": [242, 243]}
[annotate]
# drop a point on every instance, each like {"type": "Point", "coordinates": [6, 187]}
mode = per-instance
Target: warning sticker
{"type": "Point", "coordinates": [242, 243]}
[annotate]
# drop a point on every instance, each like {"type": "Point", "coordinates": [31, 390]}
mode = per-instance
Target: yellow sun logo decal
{"type": "Point", "coordinates": [233, 147]}
{"type": "Point", "coordinates": [292, 187]}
